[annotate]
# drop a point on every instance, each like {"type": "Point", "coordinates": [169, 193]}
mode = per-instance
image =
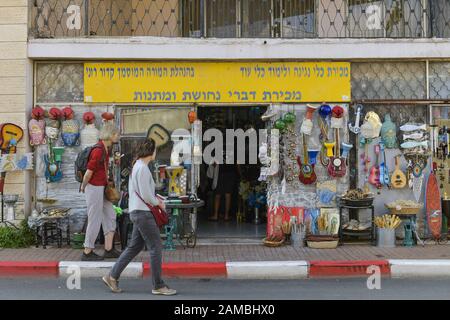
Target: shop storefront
{"type": "Point", "coordinates": [327, 133]}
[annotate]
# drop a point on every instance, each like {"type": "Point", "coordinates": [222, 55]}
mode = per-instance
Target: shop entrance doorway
{"type": "Point", "coordinates": [229, 211]}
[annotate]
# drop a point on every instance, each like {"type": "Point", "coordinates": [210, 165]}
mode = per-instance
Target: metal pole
{"type": "Point", "coordinates": [86, 18]}
{"type": "Point", "coordinates": [202, 19]}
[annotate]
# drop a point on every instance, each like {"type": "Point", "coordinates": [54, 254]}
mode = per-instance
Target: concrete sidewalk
{"type": "Point", "coordinates": [235, 253]}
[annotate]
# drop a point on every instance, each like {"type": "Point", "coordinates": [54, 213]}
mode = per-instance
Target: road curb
{"type": "Point", "coordinates": [413, 268]}
{"type": "Point", "coordinates": [29, 268]}
{"type": "Point", "coordinates": [90, 269]}
{"type": "Point", "coordinates": [268, 270]}
{"type": "Point", "coordinates": [323, 269]}
{"type": "Point", "coordinates": [190, 269]}
{"type": "Point", "coordinates": [393, 268]}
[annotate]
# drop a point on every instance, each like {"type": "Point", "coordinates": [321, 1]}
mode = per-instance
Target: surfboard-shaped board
{"type": "Point", "coordinates": [433, 204]}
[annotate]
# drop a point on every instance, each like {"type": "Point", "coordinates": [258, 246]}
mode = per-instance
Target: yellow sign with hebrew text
{"type": "Point", "coordinates": [216, 82]}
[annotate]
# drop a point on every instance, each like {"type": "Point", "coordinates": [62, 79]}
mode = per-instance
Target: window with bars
{"type": "Point", "coordinates": [241, 18]}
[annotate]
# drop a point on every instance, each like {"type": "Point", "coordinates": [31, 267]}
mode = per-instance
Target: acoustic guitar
{"type": "Point", "coordinates": [374, 177]}
{"type": "Point", "coordinates": [10, 132]}
{"type": "Point", "coordinates": [158, 133]}
{"type": "Point", "coordinates": [307, 174]}
{"type": "Point", "coordinates": [10, 135]}
{"type": "Point", "coordinates": [398, 179]}
{"type": "Point", "coordinates": [337, 167]}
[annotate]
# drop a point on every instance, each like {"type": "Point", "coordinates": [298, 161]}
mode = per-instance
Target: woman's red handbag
{"type": "Point", "coordinates": [161, 216]}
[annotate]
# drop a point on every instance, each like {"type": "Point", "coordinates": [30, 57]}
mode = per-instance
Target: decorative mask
{"type": "Point", "coordinates": [36, 127]}
{"type": "Point", "coordinates": [89, 134]}
{"type": "Point", "coordinates": [70, 128]}
{"type": "Point", "coordinates": [53, 123]}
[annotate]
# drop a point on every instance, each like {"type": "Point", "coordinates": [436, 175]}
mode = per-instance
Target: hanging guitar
{"type": "Point", "coordinates": [10, 136]}
{"type": "Point", "coordinates": [337, 167]}
{"type": "Point", "coordinates": [398, 179]}
{"type": "Point", "coordinates": [307, 174]}
{"type": "Point", "coordinates": [374, 177]}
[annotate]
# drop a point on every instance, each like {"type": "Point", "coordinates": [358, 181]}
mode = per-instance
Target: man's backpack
{"type": "Point", "coordinates": [82, 161]}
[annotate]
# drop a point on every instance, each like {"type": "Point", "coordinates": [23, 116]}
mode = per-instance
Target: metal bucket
{"type": "Point", "coordinates": [385, 238]}
{"type": "Point", "coordinates": [298, 239]}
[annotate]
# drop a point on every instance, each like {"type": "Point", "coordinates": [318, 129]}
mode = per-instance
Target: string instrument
{"type": "Point", "coordinates": [158, 133]}
{"type": "Point", "coordinates": [398, 179]}
{"type": "Point", "coordinates": [307, 174]}
{"type": "Point", "coordinates": [337, 167]}
{"type": "Point", "coordinates": [383, 169]}
{"type": "Point", "coordinates": [10, 132]}
{"type": "Point", "coordinates": [374, 176]}
{"type": "Point", "coordinates": [10, 135]}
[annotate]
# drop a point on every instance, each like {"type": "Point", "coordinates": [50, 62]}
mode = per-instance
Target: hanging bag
{"type": "Point", "coordinates": [161, 216]}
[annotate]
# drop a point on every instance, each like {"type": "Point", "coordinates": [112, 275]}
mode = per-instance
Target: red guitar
{"type": "Point", "coordinates": [337, 167]}
{"type": "Point", "coordinates": [374, 177]}
{"type": "Point", "coordinates": [307, 174]}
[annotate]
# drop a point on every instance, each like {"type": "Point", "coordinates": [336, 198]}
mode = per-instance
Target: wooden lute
{"type": "Point", "coordinates": [307, 174]}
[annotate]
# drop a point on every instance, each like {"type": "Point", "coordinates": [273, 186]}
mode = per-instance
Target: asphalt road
{"type": "Point", "coordinates": [222, 289]}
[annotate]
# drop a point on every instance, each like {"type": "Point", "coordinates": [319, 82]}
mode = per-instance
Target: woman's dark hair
{"type": "Point", "coordinates": [144, 149]}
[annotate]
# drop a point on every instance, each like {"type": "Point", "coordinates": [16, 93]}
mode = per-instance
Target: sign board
{"type": "Point", "coordinates": [216, 82]}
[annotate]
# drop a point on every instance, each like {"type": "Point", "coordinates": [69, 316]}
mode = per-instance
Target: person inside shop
{"type": "Point", "coordinates": [100, 211]}
{"type": "Point", "coordinates": [224, 178]}
{"type": "Point", "coordinates": [145, 230]}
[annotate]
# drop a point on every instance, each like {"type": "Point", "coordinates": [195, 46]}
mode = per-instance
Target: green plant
{"type": "Point", "coordinates": [16, 238]}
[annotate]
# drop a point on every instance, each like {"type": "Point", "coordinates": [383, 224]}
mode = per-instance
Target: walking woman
{"type": "Point", "coordinates": [145, 230]}
{"type": "Point", "coordinates": [100, 211]}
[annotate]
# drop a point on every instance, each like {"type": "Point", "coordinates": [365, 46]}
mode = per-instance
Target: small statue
{"type": "Point", "coordinates": [70, 128]}
{"type": "Point", "coordinates": [36, 127]}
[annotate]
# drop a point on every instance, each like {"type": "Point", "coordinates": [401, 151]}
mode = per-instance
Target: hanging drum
{"type": "Point", "coordinates": [53, 124]}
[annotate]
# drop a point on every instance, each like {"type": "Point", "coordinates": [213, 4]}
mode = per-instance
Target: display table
{"type": "Point", "coordinates": [369, 232]}
{"type": "Point", "coordinates": [49, 229]}
{"type": "Point", "coordinates": [176, 227]}
{"type": "Point", "coordinates": [181, 217]}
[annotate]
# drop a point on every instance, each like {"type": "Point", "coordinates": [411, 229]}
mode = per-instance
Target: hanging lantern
{"type": "Point", "coordinates": [192, 116]}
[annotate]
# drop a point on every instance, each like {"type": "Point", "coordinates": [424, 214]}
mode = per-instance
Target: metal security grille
{"type": "Point", "coordinates": [241, 18]}
{"type": "Point", "coordinates": [389, 81]}
{"type": "Point", "coordinates": [439, 78]}
{"type": "Point", "coordinates": [59, 83]}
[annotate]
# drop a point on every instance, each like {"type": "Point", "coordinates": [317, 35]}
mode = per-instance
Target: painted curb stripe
{"type": "Point", "coordinates": [190, 269]}
{"type": "Point", "coordinates": [268, 270]}
{"type": "Point", "coordinates": [346, 268]}
{"type": "Point", "coordinates": [413, 268]}
{"type": "Point", "coordinates": [29, 268]}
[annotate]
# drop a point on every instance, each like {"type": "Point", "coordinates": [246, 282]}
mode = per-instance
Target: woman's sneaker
{"type": "Point", "coordinates": [165, 291]}
{"type": "Point", "coordinates": [112, 284]}
{"type": "Point", "coordinates": [91, 256]}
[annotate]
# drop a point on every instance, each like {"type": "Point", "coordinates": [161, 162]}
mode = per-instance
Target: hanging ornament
{"type": "Point", "coordinates": [337, 117]}
{"type": "Point", "coordinates": [389, 133]}
{"type": "Point", "coordinates": [417, 187]}
{"type": "Point", "coordinates": [36, 127]}
{"type": "Point", "coordinates": [89, 134]}
{"type": "Point", "coordinates": [192, 116]}
{"type": "Point", "coordinates": [280, 125]}
{"type": "Point", "coordinates": [289, 117]}
{"type": "Point", "coordinates": [70, 129]}
{"type": "Point", "coordinates": [307, 124]}
{"type": "Point", "coordinates": [53, 123]}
